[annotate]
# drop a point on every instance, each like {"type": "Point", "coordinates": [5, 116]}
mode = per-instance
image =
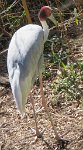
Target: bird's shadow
{"type": "Point", "coordinates": [61, 144]}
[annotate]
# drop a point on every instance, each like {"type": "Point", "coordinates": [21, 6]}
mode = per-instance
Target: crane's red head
{"type": "Point", "coordinates": [44, 12]}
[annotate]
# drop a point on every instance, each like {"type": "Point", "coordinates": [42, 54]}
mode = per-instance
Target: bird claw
{"type": "Point", "coordinates": [40, 110]}
{"type": "Point", "coordinates": [37, 133]}
{"type": "Point", "coordinates": [37, 136]}
{"type": "Point", "coordinates": [40, 135]}
{"type": "Point", "coordinates": [62, 143]}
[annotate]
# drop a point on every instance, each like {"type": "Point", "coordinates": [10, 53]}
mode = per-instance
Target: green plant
{"type": "Point", "coordinates": [67, 83]}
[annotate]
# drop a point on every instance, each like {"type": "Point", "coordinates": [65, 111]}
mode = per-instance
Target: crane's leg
{"type": "Point", "coordinates": [46, 108]}
{"type": "Point", "coordinates": [38, 134]}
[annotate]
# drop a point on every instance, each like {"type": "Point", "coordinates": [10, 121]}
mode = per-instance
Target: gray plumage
{"type": "Point", "coordinates": [24, 61]}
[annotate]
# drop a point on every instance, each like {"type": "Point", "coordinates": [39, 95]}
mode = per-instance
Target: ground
{"type": "Point", "coordinates": [17, 133]}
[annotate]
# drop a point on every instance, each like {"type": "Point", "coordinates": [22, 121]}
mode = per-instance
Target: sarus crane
{"type": "Point", "coordinates": [25, 62]}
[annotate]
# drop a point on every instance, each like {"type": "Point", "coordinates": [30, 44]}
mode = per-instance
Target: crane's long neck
{"type": "Point", "coordinates": [45, 29]}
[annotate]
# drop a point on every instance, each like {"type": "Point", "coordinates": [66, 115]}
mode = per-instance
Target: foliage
{"type": "Point", "coordinates": [67, 83]}
{"type": "Point", "coordinates": [12, 16]}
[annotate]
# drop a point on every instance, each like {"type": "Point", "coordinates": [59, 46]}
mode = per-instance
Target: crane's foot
{"type": "Point", "coordinates": [62, 144]}
{"type": "Point", "coordinates": [38, 111]}
{"type": "Point", "coordinates": [40, 135]}
{"type": "Point", "coordinates": [37, 135]}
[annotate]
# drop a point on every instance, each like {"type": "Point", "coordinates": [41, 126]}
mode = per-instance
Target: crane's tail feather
{"type": "Point", "coordinates": [16, 89]}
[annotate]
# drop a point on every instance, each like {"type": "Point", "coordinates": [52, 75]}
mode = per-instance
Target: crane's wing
{"type": "Point", "coordinates": [24, 52]}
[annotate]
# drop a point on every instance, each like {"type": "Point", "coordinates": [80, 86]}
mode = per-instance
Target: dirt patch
{"type": "Point", "coordinates": [17, 133]}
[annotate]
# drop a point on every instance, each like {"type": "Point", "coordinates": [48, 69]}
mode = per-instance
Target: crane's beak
{"type": "Point", "coordinates": [53, 19]}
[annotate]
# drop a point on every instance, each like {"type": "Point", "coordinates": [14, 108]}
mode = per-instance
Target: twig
{"type": "Point", "coordinates": [8, 34]}
{"type": "Point", "coordinates": [3, 51]}
{"type": "Point", "coordinates": [11, 6]}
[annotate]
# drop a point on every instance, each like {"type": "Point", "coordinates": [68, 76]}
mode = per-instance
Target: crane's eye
{"type": "Point", "coordinates": [42, 15]}
{"type": "Point", "coordinates": [48, 12]}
